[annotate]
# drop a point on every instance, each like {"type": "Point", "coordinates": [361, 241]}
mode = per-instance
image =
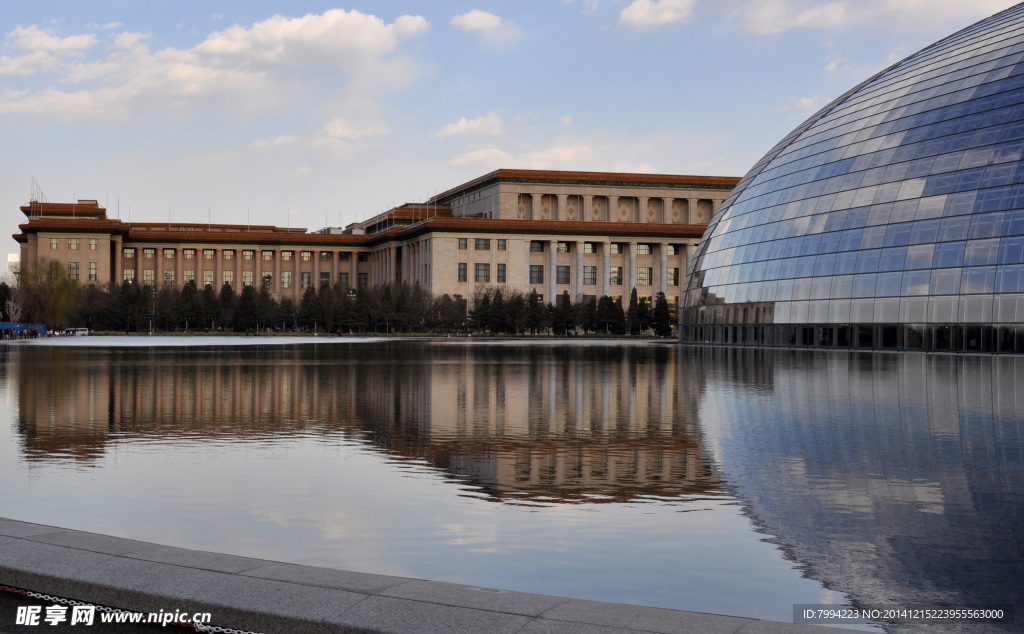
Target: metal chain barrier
{"type": "Point", "coordinates": [199, 627]}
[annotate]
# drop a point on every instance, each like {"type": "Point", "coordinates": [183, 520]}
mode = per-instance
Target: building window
{"type": "Point", "coordinates": [590, 275]}
{"type": "Point", "coordinates": [149, 254]}
{"type": "Point", "coordinates": [502, 243]}
{"type": "Point", "coordinates": [53, 244]}
{"type": "Point", "coordinates": [286, 279]}
{"type": "Point", "coordinates": [561, 274]}
{"type": "Point", "coordinates": [364, 280]}
{"type": "Point", "coordinates": [287, 255]}
{"type": "Point", "coordinates": [209, 254]}
{"type": "Point", "coordinates": [462, 244]}
{"type": "Point", "coordinates": [344, 256]}
{"type": "Point", "coordinates": [148, 277]}
{"type": "Point", "coordinates": [462, 271]}
{"type": "Point", "coordinates": [229, 254]}
{"type": "Point", "coordinates": [615, 275]}
{"type": "Point", "coordinates": [325, 256]}
{"type": "Point", "coordinates": [248, 254]}
{"type": "Point", "coordinates": [305, 279]}
{"type": "Point", "coordinates": [673, 249]}
{"type": "Point", "coordinates": [73, 270]}
{"type": "Point", "coordinates": [363, 257]}
{"type": "Point", "coordinates": [188, 254]}
{"type": "Point", "coordinates": [207, 278]}
{"type": "Point", "coordinates": [246, 278]}
{"type": "Point", "coordinates": [673, 276]}
{"type": "Point", "coordinates": [73, 244]}
{"type": "Point", "coordinates": [307, 256]}
{"type": "Point", "coordinates": [129, 253]}
{"type": "Point", "coordinates": [92, 244]}
{"type": "Point", "coordinates": [501, 274]}
{"type": "Point", "coordinates": [536, 246]}
{"type": "Point", "coordinates": [168, 254]}
{"type": "Point", "coordinates": [482, 244]}
{"type": "Point", "coordinates": [643, 275]}
{"type": "Point", "coordinates": [268, 280]}
{"type": "Point", "coordinates": [325, 278]}
{"type": "Point", "coordinates": [229, 277]}
{"type": "Point", "coordinates": [168, 277]}
{"type": "Point", "coordinates": [268, 256]}
{"type": "Point", "coordinates": [643, 249]}
{"type": "Point", "coordinates": [563, 247]}
{"type": "Point", "coordinates": [615, 248]}
{"type": "Point", "coordinates": [129, 275]}
{"type": "Point", "coordinates": [92, 272]}
{"type": "Point", "coordinates": [343, 279]}
{"type": "Point", "coordinates": [482, 273]}
{"type": "Point", "coordinates": [589, 247]}
{"type": "Point", "coordinates": [536, 274]}
{"type": "Point", "coordinates": [190, 276]}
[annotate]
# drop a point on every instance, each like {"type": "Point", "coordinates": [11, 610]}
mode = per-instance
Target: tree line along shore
{"type": "Point", "coordinates": [47, 295]}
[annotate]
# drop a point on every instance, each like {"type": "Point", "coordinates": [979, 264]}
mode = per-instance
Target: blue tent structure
{"type": "Point", "coordinates": [15, 328]}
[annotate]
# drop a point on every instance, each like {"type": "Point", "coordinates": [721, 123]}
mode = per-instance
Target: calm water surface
{"type": "Point", "coordinates": [734, 482]}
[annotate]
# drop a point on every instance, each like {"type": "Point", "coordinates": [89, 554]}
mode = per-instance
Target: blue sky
{"type": "Point", "coordinates": [308, 113]}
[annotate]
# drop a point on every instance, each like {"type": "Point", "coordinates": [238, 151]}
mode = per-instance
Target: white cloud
{"type": "Point", "coordinates": [486, 156]}
{"type": "Point", "coordinates": [493, 29]}
{"type": "Point", "coordinates": [542, 159]}
{"type": "Point", "coordinates": [111, 25]}
{"type": "Point", "coordinates": [338, 137]}
{"type": "Point", "coordinates": [806, 105]}
{"type": "Point", "coordinates": [486, 124]}
{"type": "Point", "coordinates": [28, 65]}
{"type": "Point", "coordinates": [284, 139]}
{"type": "Point", "coordinates": [565, 120]}
{"type": "Point", "coordinates": [33, 39]}
{"type": "Point", "coordinates": [768, 17]}
{"type": "Point", "coordinates": [337, 38]}
{"type": "Point", "coordinates": [339, 128]}
{"type": "Point", "coordinates": [226, 66]}
{"type": "Point", "coordinates": [646, 14]}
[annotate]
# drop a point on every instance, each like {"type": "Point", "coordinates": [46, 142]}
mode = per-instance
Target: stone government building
{"type": "Point", "coordinates": [585, 233]}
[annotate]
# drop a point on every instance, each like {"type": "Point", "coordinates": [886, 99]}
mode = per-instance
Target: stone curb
{"type": "Point", "coordinates": [266, 596]}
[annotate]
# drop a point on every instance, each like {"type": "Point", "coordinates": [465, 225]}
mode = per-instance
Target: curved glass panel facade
{"type": "Point", "coordinates": [892, 218]}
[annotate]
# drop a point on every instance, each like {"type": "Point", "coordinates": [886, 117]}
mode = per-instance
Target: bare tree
{"type": "Point", "coordinates": [15, 305]}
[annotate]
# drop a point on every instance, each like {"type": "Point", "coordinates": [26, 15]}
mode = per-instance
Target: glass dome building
{"type": "Point", "coordinates": [893, 218]}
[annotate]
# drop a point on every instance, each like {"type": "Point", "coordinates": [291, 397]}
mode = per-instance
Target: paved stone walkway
{"type": "Point", "coordinates": [265, 596]}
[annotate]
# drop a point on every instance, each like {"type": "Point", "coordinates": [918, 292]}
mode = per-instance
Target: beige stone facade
{"type": "Point", "coordinates": [581, 233]}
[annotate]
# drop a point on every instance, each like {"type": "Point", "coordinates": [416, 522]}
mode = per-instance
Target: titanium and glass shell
{"type": "Point", "coordinates": [892, 218]}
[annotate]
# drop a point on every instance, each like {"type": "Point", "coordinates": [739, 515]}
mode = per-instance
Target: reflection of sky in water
{"type": "Point", "coordinates": [592, 471]}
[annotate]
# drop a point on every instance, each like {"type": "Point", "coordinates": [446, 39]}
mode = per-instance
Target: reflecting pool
{"type": "Point", "coordinates": [727, 481]}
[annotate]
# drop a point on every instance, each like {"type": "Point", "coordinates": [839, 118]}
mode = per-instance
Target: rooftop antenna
{"type": "Point", "coordinates": [168, 217]}
{"type": "Point", "coordinates": [247, 223]}
{"type": "Point", "coordinates": [74, 197]}
{"type": "Point", "coordinates": [209, 222]}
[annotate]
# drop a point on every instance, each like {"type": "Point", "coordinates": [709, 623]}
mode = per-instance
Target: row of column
{"type": "Point", "coordinates": [639, 212]}
{"type": "Point", "coordinates": [259, 267]}
{"type": "Point", "coordinates": [660, 281]}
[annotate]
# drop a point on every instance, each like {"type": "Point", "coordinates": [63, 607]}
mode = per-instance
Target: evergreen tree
{"type": "Point", "coordinates": [210, 307]}
{"type": "Point", "coordinates": [227, 301]}
{"type": "Point", "coordinates": [632, 314]}
{"type": "Point", "coordinates": [245, 313]}
{"type": "Point", "coordinates": [480, 316]}
{"type": "Point", "coordinates": [535, 316]}
{"type": "Point", "coordinates": [661, 317]}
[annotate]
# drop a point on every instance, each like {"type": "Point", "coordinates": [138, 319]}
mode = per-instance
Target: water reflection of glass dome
{"type": "Point", "coordinates": [892, 218]}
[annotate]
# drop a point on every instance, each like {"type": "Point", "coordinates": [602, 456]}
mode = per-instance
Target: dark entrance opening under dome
{"type": "Point", "coordinates": [891, 219]}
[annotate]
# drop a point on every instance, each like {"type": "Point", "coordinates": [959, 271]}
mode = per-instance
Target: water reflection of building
{"type": "Point", "coordinates": [896, 479]}
{"type": "Point", "coordinates": [561, 423]}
